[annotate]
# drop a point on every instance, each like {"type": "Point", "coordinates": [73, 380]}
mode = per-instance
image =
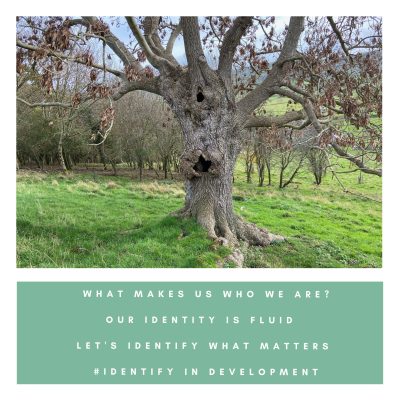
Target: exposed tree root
{"type": "Point", "coordinates": [233, 233]}
{"type": "Point", "coordinates": [254, 235]}
{"type": "Point", "coordinates": [236, 258]}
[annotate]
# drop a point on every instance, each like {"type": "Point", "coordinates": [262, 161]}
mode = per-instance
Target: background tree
{"type": "Point", "coordinates": [249, 153]}
{"type": "Point", "coordinates": [319, 162]}
{"type": "Point", "coordinates": [264, 153]}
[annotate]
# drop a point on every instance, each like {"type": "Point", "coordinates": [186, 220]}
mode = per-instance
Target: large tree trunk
{"type": "Point", "coordinates": [211, 151]}
{"type": "Point", "coordinates": [209, 200]}
{"type": "Point", "coordinates": [212, 130]}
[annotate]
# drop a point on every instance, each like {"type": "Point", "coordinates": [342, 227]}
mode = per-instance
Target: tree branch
{"type": "Point", "coordinates": [362, 167]}
{"type": "Point", "coordinates": [199, 70]}
{"type": "Point", "coordinates": [172, 38]}
{"type": "Point", "coordinates": [150, 26]}
{"type": "Point", "coordinates": [272, 120]}
{"type": "Point", "coordinates": [299, 90]}
{"type": "Point", "coordinates": [154, 59]}
{"type": "Point", "coordinates": [43, 104]}
{"type": "Point", "coordinates": [114, 43]}
{"type": "Point", "coordinates": [308, 108]}
{"type": "Point", "coordinates": [340, 37]}
{"type": "Point", "coordinates": [289, 93]}
{"type": "Point", "coordinates": [229, 45]}
{"type": "Point", "coordinates": [277, 73]}
{"type": "Point", "coordinates": [26, 46]}
{"type": "Point", "coordinates": [149, 85]}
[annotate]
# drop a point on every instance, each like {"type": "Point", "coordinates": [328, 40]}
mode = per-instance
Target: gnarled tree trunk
{"type": "Point", "coordinates": [212, 146]}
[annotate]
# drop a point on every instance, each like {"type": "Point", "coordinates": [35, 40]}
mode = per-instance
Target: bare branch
{"type": "Point", "coordinates": [108, 38]}
{"type": "Point", "coordinates": [299, 90]}
{"type": "Point", "coordinates": [268, 121]}
{"type": "Point", "coordinates": [230, 43]}
{"type": "Point", "coordinates": [340, 37]}
{"type": "Point", "coordinates": [198, 67]}
{"type": "Point", "coordinates": [360, 45]}
{"type": "Point", "coordinates": [150, 25]}
{"type": "Point", "coordinates": [306, 123]}
{"type": "Point", "coordinates": [288, 93]}
{"type": "Point", "coordinates": [149, 85]}
{"type": "Point", "coordinates": [342, 153]}
{"type": "Point", "coordinates": [277, 74]}
{"type": "Point", "coordinates": [296, 26]}
{"type": "Point", "coordinates": [308, 108]}
{"type": "Point", "coordinates": [172, 39]}
{"type": "Point", "coordinates": [218, 36]}
{"type": "Point", "coordinates": [151, 56]}
{"type": "Point", "coordinates": [43, 104]}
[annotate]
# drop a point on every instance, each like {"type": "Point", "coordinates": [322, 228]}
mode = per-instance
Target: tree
{"type": "Point", "coordinates": [290, 148]}
{"type": "Point", "coordinates": [167, 138]}
{"type": "Point", "coordinates": [319, 162]}
{"type": "Point", "coordinates": [52, 134]}
{"type": "Point", "coordinates": [54, 94]}
{"type": "Point", "coordinates": [328, 67]}
{"type": "Point", "coordinates": [249, 153]}
{"type": "Point", "coordinates": [264, 151]}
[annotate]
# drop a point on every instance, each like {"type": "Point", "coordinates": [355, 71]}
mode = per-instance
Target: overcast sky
{"type": "Point", "coordinates": [123, 33]}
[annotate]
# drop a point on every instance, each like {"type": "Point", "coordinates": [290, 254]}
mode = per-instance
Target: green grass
{"type": "Point", "coordinates": [278, 105]}
{"type": "Point", "coordinates": [323, 225]}
{"type": "Point", "coordinates": [88, 221]}
{"type": "Point", "coordinates": [78, 221]}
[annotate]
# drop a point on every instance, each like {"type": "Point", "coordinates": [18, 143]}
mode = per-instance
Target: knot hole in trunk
{"type": "Point", "coordinates": [202, 165]}
{"type": "Point", "coordinates": [200, 96]}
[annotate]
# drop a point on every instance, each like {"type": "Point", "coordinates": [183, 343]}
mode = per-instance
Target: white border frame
{"type": "Point", "coordinates": [10, 275]}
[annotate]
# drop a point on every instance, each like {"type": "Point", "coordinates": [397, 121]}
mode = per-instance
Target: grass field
{"type": "Point", "coordinates": [88, 220]}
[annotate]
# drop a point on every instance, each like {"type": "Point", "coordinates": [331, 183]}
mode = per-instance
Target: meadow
{"type": "Point", "coordinates": [86, 220]}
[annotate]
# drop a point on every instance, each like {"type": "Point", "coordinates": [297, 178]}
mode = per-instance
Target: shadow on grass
{"type": "Point", "coordinates": [165, 242]}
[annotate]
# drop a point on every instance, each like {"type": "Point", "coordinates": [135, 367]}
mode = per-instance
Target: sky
{"type": "Point", "coordinates": [123, 33]}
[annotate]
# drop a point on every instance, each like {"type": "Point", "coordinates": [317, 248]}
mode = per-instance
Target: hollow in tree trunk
{"type": "Point", "coordinates": [211, 151]}
{"type": "Point", "coordinates": [212, 122]}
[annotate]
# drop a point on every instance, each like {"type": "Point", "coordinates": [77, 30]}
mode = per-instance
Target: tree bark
{"type": "Point", "coordinates": [165, 168]}
{"type": "Point", "coordinates": [60, 152]}
{"type": "Point", "coordinates": [211, 151]}
{"type": "Point", "coordinates": [102, 155]}
{"type": "Point", "coordinates": [203, 100]}
{"type": "Point", "coordinates": [268, 165]}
